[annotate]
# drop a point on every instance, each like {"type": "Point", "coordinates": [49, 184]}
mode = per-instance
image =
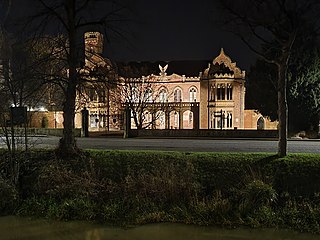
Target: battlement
{"type": "Point", "coordinates": [93, 42]}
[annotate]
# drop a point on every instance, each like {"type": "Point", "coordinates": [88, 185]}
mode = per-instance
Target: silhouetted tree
{"type": "Point", "coordinates": [304, 98]}
{"type": "Point", "coordinates": [72, 18]}
{"type": "Point", "coordinates": [261, 89]}
{"type": "Point", "coordinates": [269, 28]}
{"type": "Point", "coordinates": [145, 99]}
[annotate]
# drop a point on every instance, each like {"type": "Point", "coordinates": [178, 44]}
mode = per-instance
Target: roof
{"type": "Point", "coordinates": [189, 68]}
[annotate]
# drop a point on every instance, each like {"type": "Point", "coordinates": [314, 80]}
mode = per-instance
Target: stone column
{"type": "Point", "coordinates": [167, 119]}
{"type": "Point", "coordinates": [127, 122]}
{"type": "Point", "coordinates": [180, 119]}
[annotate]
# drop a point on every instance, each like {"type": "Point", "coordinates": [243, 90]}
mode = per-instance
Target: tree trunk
{"type": "Point", "coordinates": [68, 145]}
{"type": "Point", "coordinates": [67, 142]}
{"type": "Point", "coordinates": [282, 110]}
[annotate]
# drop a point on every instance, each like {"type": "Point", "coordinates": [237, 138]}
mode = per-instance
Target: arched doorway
{"type": "Point", "coordinates": [260, 123]}
{"type": "Point", "coordinates": [174, 120]}
{"type": "Point", "coordinates": [147, 120]}
{"type": "Point", "coordinates": [188, 120]}
{"type": "Point", "coordinates": [160, 120]}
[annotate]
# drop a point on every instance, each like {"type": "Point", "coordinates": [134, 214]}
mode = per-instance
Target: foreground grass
{"type": "Point", "coordinates": [136, 187]}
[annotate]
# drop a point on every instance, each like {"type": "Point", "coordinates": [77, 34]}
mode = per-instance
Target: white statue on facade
{"type": "Point", "coordinates": [163, 70]}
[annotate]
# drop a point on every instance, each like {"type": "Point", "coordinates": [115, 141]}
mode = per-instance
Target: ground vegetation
{"type": "Point", "coordinates": [138, 187]}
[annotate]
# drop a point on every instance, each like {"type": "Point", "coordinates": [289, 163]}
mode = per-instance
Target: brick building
{"type": "Point", "coordinates": [212, 98]}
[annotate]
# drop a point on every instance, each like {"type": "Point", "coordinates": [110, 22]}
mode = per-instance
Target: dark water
{"type": "Point", "coordinates": [14, 228]}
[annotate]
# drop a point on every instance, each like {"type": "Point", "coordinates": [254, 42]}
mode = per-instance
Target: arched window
{"type": "Point", "coordinates": [92, 95]}
{"type": "Point", "coordinates": [221, 92]}
{"type": "Point", "coordinates": [161, 120]}
{"type": "Point", "coordinates": [260, 123]}
{"type": "Point", "coordinates": [193, 94]}
{"type": "Point", "coordinates": [229, 120]}
{"type": "Point", "coordinates": [229, 92]}
{"type": "Point", "coordinates": [176, 120]}
{"type": "Point", "coordinates": [94, 120]}
{"type": "Point", "coordinates": [213, 92]}
{"type": "Point", "coordinates": [148, 95]}
{"type": "Point", "coordinates": [163, 95]}
{"type": "Point", "coordinates": [177, 95]}
{"type": "Point", "coordinates": [190, 117]}
{"type": "Point", "coordinates": [102, 96]}
{"type": "Point", "coordinates": [133, 94]}
{"type": "Point", "coordinates": [212, 120]}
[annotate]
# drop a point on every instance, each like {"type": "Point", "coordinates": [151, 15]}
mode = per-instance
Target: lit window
{"type": "Point", "coordinates": [229, 120]}
{"type": "Point", "coordinates": [102, 96]}
{"type": "Point", "coordinates": [176, 119]}
{"type": "Point", "coordinates": [92, 94]}
{"type": "Point", "coordinates": [229, 92]}
{"type": "Point", "coordinates": [148, 95]}
{"type": "Point", "coordinates": [213, 92]}
{"type": "Point", "coordinates": [221, 92]}
{"type": "Point", "coordinates": [177, 95]}
{"type": "Point", "coordinates": [190, 117]}
{"type": "Point", "coordinates": [163, 95]}
{"type": "Point", "coordinates": [193, 95]}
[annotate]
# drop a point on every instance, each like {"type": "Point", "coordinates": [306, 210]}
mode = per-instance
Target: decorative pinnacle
{"type": "Point", "coordinates": [222, 52]}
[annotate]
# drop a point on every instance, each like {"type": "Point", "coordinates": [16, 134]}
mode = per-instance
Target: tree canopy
{"type": "Point", "coordinates": [270, 29]}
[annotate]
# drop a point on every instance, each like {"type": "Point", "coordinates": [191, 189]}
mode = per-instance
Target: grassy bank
{"type": "Point", "coordinates": [135, 187]}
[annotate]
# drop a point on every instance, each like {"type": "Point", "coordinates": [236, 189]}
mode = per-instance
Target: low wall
{"type": "Point", "coordinates": [44, 131]}
{"type": "Point", "coordinates": [190, 133]}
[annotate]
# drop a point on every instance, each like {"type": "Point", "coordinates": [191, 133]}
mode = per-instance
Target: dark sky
{"type": "Point", "coordinates": [178, 30]}
{"type": "Point", "coordinates": [165, 30]}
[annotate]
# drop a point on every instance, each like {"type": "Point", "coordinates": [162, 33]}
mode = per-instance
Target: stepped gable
{"type": "Point", "coordinates": [222, 66]}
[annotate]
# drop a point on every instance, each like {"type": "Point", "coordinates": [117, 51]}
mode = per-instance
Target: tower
{"type": "Point", "coordinates": [93, 42]}
{"type": "Point", "coordinates": [222, 94]}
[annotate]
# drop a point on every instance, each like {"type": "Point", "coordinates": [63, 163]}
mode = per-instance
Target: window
{"type": "Point", "coordinates": [229, 92]}
{"type": "Point", "coordinates": [219, 123]}
{"type": "Point", "coordinates": [229, 120]}
{"type": "Point", "coordinates": [162, 119]}
{"type": "Point", "coordinates": [220, 119]}
{"type": "Point", "coordinates": [148, 95]}
{"type": "Point", "coordinates": [260, 123]}
{"type": "Point", "coordinates": [212, 120]}
{"type": "Point", "coordinates": [190, 117]}
{"type": "Point", "coordinates": [163, 95]}
{"type": "Point", "coordinates": [94, 120]}
{"type": "Point", "coordinates": [102, 96]}
{"type": "Point", "coordinates": [92, 95]}
{"type": "Point", "coordinates": [213, 92]}
{"type": "Point", "coordinates": [193, 94]}
{"type": "Point", "coordinates": [133, 94]}
{"type": "Point", "coordinates": [177, 95]}
{"type": "Point", "coordinates": [176, 120]}
{"type": "Point", "coordinates": [221, 92]}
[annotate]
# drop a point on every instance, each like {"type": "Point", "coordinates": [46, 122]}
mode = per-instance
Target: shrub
{"type": "Point", "coordinates": [256, 195]}
{"type": "Point", "coordinates": [213, 210]}
{"type": "Point", "coordinates": [9, 197]}
{"type": "Point", "coordinates": [126, 187]}
{"type": "Point", "coordinates": [58, 181]}
{"type": "Point", "coordinates": [297, 174]}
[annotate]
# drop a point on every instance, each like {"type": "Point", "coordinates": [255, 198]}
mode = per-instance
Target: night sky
{"type": "Point", "coordinates": [178, 30]}
{"type": "Point", "coordinates": [169, 30]}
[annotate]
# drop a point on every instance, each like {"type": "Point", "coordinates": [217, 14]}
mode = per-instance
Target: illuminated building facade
{"type": "Point", "coordinates": [214, 98]}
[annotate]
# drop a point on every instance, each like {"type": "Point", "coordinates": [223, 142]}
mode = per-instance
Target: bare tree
{"type": "Point", "coordinates": [72, 18]}
{"type": "Point", "coordinates": [146, 99]}
{"type": "Point", "coordinates": [269, 28]}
